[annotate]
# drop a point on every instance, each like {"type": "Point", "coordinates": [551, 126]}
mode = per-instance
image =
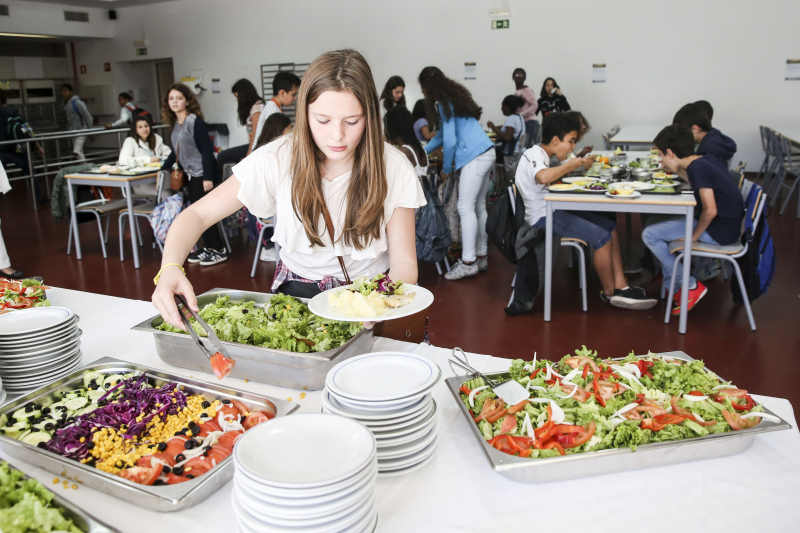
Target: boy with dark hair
{"type": "Point", "coordinates": [711, 142]}
{"type": "Point", "coordinates": [719, 217]}
{"type": "Point", "coordinates": [78, 118]}
{"type": "Point", "coordinates": [128, 111]}
{"type": "Point", "coordinates": [705, 106]}
{"type": "Point", "coordinates": [284, 89]}
{"type": "Point", "coordinates": [533, 177]}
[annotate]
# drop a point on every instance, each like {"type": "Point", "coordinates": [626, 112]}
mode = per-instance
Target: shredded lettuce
{"type": "Point", "coordinates": [25, 505]}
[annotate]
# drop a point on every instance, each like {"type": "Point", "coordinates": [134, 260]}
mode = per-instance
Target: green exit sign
{"type": "Point", "coordinates": [500, 24]}
{"type": "Point", "coordinates": [141, 51]}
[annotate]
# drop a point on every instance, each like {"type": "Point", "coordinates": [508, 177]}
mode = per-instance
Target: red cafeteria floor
{"type": "Point", "coordinates": [469, 313]}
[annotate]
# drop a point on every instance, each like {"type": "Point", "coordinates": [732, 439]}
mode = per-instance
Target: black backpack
{"type": "Point", "coordinates": [758, 264]}
{"type": "Point", "coordinates": [17, 129]}
{"type": "Point", "coordinates": [503, 222]}
{"type": "Point", "coordinates": [433, 233]}
{"type": "Point", "coordinates": [137, 112]}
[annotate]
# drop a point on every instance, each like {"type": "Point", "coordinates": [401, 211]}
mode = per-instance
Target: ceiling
{"type": "Point", "coordinates": [108, 4]}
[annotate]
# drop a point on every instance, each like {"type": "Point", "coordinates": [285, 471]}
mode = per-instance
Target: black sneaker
{"type": "Point", "coordinates": [607, 298]}
{"type": "Point", "coordinates": [214, 257]}
{"type": "Point", "coordinates": [632, 298]}
{"type": "Point", "coordinates": [196, 257]}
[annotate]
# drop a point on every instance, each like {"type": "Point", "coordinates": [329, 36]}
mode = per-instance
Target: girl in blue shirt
{"type": "Point", "coordinates": [467, 148]}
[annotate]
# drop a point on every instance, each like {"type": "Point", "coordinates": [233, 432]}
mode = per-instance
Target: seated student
{"type": "Point", "coordinates": [400, 132]}
{"type": "Point", "coordinates": [277, 124]}
{"type": "Point", "coordinates": [141, 148]}
{"type": "Point", "coordinates": [284, 90]}
{"type": "Point", "coordinates": [510, 132]}
{"type": "Point", "coordinates": [711, 142]}
{"type": "Point", "coordinates": [422, 129]}
{"type": "Point", "coordinates": [585, 127]}
{"type": "Point", "coordinates": [719, 201]}
{"type": "Point", "coordinates": [534, 174]}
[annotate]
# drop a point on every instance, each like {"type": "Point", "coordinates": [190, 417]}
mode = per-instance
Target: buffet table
{"type": "Point", "coordinates": [457, 491]}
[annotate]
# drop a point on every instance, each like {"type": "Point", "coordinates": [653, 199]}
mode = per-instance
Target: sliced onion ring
{"type": "Point", "coordinates": [765, 416]}
{"type": "Point", "coordinates": [571, 394]}
{"type": "Point", "coordinates": [724, 386]}
{"type": "Point", "coordinates": [529, 387]}
{"type": "Point", "coordinates": [625, 409]}
{"type": "Point", "coordinates": [693, 398]}
{"type": "Point", "coordinates": [472, 395]}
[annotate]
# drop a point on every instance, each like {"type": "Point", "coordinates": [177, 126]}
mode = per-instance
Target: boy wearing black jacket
{"type": "Point", "coordinates": [711, 142]}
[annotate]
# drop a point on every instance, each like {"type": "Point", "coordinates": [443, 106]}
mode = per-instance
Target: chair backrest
{"type": "Point", "coordinates": [786, 154]}
{"type": "Point", "coordinates": [522, 143]}
{"type": "Point", "coordinates": [745, 188]}
{"type": "Point", "coordinates": [614, 130]}
{"type": "Point", "coordinates": [606, 141]}
{"type": "Point", "coordinates": [764, 138]}
{"type": "Point", "coordinates": [227, 171]}
{"type": "Point", "coordinates": [160, 179]}
{"type": "Point", "coordinates": [741, 166]}
{"type": "Point", "coordinates": [737, 177]}
{"type": "Point", "coordinates": [756, 203]}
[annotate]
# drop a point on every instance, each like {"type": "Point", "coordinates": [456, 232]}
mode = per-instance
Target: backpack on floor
{"type": "Point", "coordinates": [758, 264]}
{"type": "Point", "coordinates": [433, 233]}
{"type": "Point", "coordinates": [504, 221]}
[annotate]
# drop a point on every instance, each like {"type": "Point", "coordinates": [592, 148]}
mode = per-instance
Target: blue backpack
{"type": "Point", "coordinates": [758, 264]}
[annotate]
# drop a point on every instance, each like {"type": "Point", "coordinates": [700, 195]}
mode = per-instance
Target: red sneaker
{"type": "Point", "coordinates": [694, 296]}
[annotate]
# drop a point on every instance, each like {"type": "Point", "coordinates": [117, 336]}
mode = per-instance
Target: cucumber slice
{"type": "Point", "coordinates": [23, 414]}
{"type": "Point", "coordinates": [23, 434]}
{"type": "Point", "coordinates": [36, 437]}
{"type": "Point", "coordinates": [75, 404]}
{"type": "Point", "coordinates": [129, 375]}
{"type": "Point", "coordinates": [70, 395]}
{"type": "Point", "coordinates": [43, 425]}
{"type": "Point", "coordinates": [95, 395]}
{"type": "Point", "coordinates": [88, 409]}
{"type": "Point", "coordinates": [10, 432]}
{"type": "Point", "coordinates": [111, 381]}
{"type": "Point", "coordinates": [95, 377]}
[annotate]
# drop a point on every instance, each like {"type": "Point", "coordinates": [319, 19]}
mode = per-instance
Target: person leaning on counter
{"type": "Point", "coordinates": [334, 157]}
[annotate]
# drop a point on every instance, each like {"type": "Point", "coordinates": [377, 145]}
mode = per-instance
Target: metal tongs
{"type": "Point", "coordinates": [509, 391]}
{"type": "Point", "coordinates": [212, 337]}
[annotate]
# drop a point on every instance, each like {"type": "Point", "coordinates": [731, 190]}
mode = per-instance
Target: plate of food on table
{"type": "Point", "coordinates": [370, 299]}
{"type": "Point", "coordinates": [22, 294]}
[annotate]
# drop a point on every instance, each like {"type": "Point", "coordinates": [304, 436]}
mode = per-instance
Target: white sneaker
{"type": "Point", "coordinates": [483, 264]}
{"type": "Point", "coordinates": [268, 254]}
{"type": "Point", "coordinates": [462, 270]}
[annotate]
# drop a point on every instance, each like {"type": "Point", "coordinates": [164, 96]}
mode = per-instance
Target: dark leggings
{"type": "Point", "coordinates": [232, 155]}
{"type": "Point", "coordinates": [211, 237]}
{"type": "Point", "coordinates": [299, 289]}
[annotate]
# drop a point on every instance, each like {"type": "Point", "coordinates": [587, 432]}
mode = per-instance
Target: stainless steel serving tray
{"type": "Point", "coordinates": [304, 371]}
{"type": "Point", "coordinates": [158, 498]}
{"type": "Point", "coordinates": [82, 520]}
{"type": "Point", "coordinates": [588, 464]}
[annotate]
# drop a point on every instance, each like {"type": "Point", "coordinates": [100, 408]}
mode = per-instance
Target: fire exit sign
{"type": "Point", "coordinates": [502, 24]}
{"type": "Point", "coordinates": [141, 51]}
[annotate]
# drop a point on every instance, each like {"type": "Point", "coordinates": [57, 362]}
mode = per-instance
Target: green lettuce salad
{"type": "Point", "coordinates": [282, 325]}
{"type": "Point", "coordinates": [584, 403]}
{"type": "Point", "coordinates": [21, 294]}
{"type": "Point", "coordinates": [26, 506]}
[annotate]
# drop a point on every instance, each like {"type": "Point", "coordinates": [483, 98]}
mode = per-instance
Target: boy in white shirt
{"type": "Point", "coordinates": [534, 175]}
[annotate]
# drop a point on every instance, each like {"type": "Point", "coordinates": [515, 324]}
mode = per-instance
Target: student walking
{"type": "Point", "coordinates": [78, 118]}
{"type": "Point", "coordinates": [466, 147]}
{"type": "Point", "coordinates": [529, 109]}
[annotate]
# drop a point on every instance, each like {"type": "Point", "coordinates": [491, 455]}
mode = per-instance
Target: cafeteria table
{"type": "Point", "coordinates": [756, 490]}
{"type": "Point", "coordinates": [108, 180]}
{"type": "Point", "coordinates": [667, 204]}
{"type": "Point", "coordinates": [634, 135]}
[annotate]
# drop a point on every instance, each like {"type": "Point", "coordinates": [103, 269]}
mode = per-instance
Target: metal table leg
{"type": "Point", "coordinates": [74, 218]}
{"type": "Point", "coordinates": [548, 262]}
{"type": "Point", "coordinates": [687, 268]}
{"type": "Point", "coordinates": [132, 221]}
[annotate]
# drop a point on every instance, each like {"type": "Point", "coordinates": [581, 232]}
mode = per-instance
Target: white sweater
{"type": "Point", "coordinates": [135, 153]}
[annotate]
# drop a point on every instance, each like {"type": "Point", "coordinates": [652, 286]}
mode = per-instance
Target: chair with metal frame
{"type": "Point", "coordinates": [267, 223]}
{"type": "Point", "coordinates": [144, 210]}
{"type": "Point", "coordinates": [100, 208]}
{"type": "Point", "coordinates": [791, 166]}
{"type": "Point", "coordinates": [728, 253]}
{"type": "Point", "coordinates": [765, 140]}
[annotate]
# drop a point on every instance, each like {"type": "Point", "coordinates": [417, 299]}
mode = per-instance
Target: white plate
{"type": "Point", "coordinates": [406, 450]}
{"type": "Point", "coordinates": [366, 479]}
{"type": "Point", "coordinates": [22, 362]}
{"type": "Point", "coordinates": [35, 341]}
{"type": "Point", "coordinates": [349, 447]}
{"type": "Point", "coordinates": [258, 525]}
{"type": "Point", "coordinates": [49, 346]}
{"type": "Point", "coordinates": [24, 321]}
{"type": "Point", "coordinates": [418, 433]}
{"type": "Point", "coordinates": [393, 433]}
{"type": "Point", "coordinates": [278, 515]}
{"type": "Point", "coordinates": [590, 190]}
{"type": "Point", "coordinates": [408, 470]}
{"type": "Point", "coordinates": [46, 375]}
{"type": "Point", "coordinates": [423, 299]}
{"type": "Point", "coordinates": [3, 396]}
{"type": "Point", "coordinates": [405, 462]}
{"type": "Point", "coordinates": [382, 376]}
{"type": "Point", "coordinates": [300, 496]}
{"type": "Point", "coordinates": [568, 188]}
{"type": "Point", "coordinates": [20, 387]}
{"type": "Point", "coordinates": [374, 407]}
{"type": "Point", "coordinates": [383, 426]}
{"type": "Point", "coordinates": [579, 178]}
{"type": "Point", "coordinates": [634, 194]}
{"type": "Point", "coordinates": [363, 415]}
{"type": "Point", "coordinates": [41, 368]}
{"type": "Point", "coordinates": [635, 185]}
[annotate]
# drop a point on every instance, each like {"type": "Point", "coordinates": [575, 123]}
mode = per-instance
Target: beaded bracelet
{"type": "Point", "coordinates": [158, 276]}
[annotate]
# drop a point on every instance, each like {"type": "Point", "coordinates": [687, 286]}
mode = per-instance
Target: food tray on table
{"type": "Point", "coordinates": [679, 188]}
{"type": "Point", "coordinates": [82, 520]}
{"type": "Point", "coordinates": [295, 370]}
{"type": "Point", "coordinates": [593, 463]}
{"type": "Point", "coordinates": [157, 498]}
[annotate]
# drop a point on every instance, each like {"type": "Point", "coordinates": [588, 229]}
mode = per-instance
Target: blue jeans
{"type": "Point", "coordinates": [589, 227]}
{"type": "Point", "coordinates": [532, 129]}
{"type": "Point", "coordinates": [657, 238]}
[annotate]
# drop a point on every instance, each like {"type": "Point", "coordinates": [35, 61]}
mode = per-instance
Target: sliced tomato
{"type": "Point", "coordinates": [517, 407]}
{"type": "Point", "coordinates": [141, 474]}
{"type": "Point", "coordinates": [651, 424]}
{"type": "Point", "coordinates": [746, 406]}
{"type": "Point", "coordinates": [686, 413]}
{"type": "Point", "coordinates": [669, 419]}
{"type": "Point", "coordinates": [175, 445]}
{"type": "Point", "coordinates": [229, 439]}
{"type": "Point", "coordinates": [254, 419]}
{"type": "Point", "coordinates": [465, 390]}
{"type": "Point", "coordinates": [207, 427]}
{"type": "Point", "coordinates": [197, 466]}
{"type": "Point", "coordinates": [696, 393]}
{"type": "Point", "coordinates": [579, 361]}
{"type": "Point", "coordinates": [510, 444]}
{"type": "Point", "coordinates": [496, 415]}
{"type": "Point", "coordinates": [649, 406]}
{"type": "Point", "coordinates": [6, 284]}
{"type": "Point", "coordinates": [526, 453]}
{"type": "Point", "coordinates": [737, 422]}
{"type": "Point", "coordinates": [577, 436]}
{"type": "Point", "coordinates": [221, 365]}
{"type": "Point", "coordinates": [553, 443]}
{"type": "Point", "coordinates": [147, 460]}
{"type": "Point", "coordinates": [218, 453]}
{"type": "Point", "coordinates": [228, 411]}
{"type": "Point", "coordinates": [242, 408]}
{"type": "Point", "coordinates": [172, 479]}
{"type": "Point", "coordinates": [509, 424]}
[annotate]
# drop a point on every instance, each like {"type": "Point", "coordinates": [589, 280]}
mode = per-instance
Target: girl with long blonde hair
{"type": "Point", "coordinates": [334, 160]}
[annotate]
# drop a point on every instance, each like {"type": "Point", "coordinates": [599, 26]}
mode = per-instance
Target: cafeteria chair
{"type": "Point", "coordinates": [607, 136]}
{"type": "Point", "coordinates": [100, 208]}
{"type": "Point", "coordinates": [267, 223]}
{"type": "Point", "coordinates": [578, 245]}
{"type": "Point", "coordinates": [765, 140]}
{"type": "Point", "coordinates": [728, 253]}
{"type": "Point", "coordinates": [791, 166]}
{"type": "Point", "coordinates": [144, 210]}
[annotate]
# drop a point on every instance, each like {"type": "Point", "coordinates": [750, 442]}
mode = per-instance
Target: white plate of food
{"type": "Point", "coordinates": [635, 185]}
{"type": "Point", "coordinates": [623, 194]}
{"type": "Point", "coordinates": [562, 187]}
{"type": "Point", "coordinates": [579, 180]}
{"type": "Point", "coordinates": [598, 187]}
{"type": "Point", "coordinates": [349, 305]}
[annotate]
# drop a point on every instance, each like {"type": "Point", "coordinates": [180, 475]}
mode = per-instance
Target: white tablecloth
{"type": "Point", "coordinates": [458, 491]}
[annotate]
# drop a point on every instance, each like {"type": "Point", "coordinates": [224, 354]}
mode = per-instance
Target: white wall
{"type": "Point", "coordinates": [48, 19]}
{"type": "Point", "coordinates": [660, 54]}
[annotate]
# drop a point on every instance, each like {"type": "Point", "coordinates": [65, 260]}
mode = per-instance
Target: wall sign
{"type": "Point", "coordinates": [83, 69]}
{"type": "Point", "coordinates": [471, 71]}
{"type": "Point", "coordinates": [793, 69]}
{"type": "Point", "coordinates": [599, 73]}
{"type": "Point", "coordinates": [502, 24]}
{"type": "Point", "coordinates": [141, 51]}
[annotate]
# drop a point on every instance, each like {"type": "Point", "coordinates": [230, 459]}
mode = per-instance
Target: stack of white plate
{"type": "Point", "coordinates": [390, 393]}
{"type": "Point", "coordinates": [38, 346]}
{"type": "Point", "coordinates": [308, 473]}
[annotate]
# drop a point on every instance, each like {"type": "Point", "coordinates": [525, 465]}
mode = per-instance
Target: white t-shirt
{"type": "Point", "coordinates": [532, 161]}
{"type": "Point", "coordinates": [515, 121]}
{"type": "Point", "coordinates": [266, 187]}
{"type": "Point", "coordinates": [269, 108]}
